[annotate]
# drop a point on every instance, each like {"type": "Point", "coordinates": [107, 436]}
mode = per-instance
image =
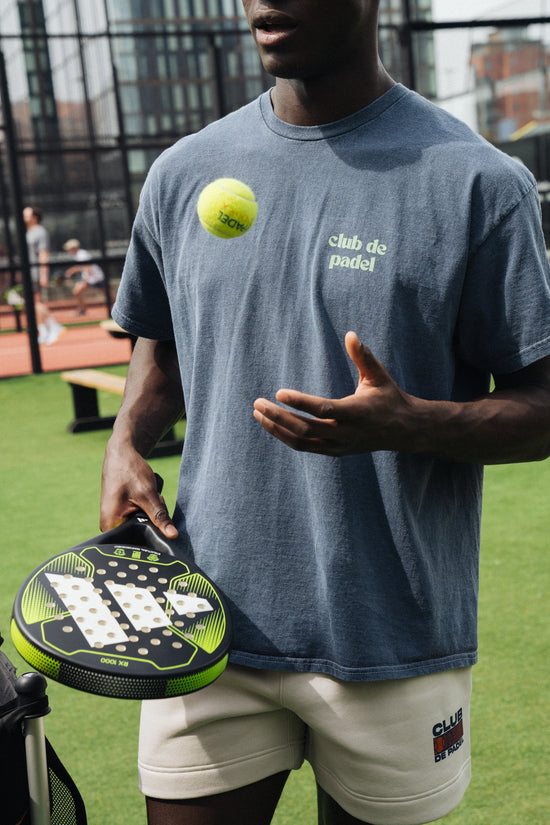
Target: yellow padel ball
{"type": "Point", "coordinates": [227, 208]}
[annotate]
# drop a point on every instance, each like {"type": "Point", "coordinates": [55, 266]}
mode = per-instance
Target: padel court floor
{"type": "Point", "coordinates": [81, 345]}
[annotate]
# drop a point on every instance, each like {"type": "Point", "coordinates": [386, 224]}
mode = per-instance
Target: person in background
{"type": "Point", "coordinates": [38, 245]}
{"type": "Point", "coordinates": [90, 274]}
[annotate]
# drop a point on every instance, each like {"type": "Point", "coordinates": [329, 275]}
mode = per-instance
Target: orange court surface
{"type": "Point", "coordinates": [82, 344]}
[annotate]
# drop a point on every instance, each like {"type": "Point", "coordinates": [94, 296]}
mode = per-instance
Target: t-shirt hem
{"type": "Point", "coordinates": [139, 329]}
{"type": "Point", "coordinates": [354, 674]}
{"type": "Point", "coordinates": [523, 358]}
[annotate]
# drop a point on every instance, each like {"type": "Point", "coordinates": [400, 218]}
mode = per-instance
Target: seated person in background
{"type": "Point", "coordinates": [90, 274]}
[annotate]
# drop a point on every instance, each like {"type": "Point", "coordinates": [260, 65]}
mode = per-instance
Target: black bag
{"type": "Point", "coordinates": [66, 804]}
{"type": "Point", "coordinates": [14, 791]}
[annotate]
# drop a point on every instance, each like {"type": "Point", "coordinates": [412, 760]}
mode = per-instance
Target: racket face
{"type": "Point", "coordinates": [122, 620]}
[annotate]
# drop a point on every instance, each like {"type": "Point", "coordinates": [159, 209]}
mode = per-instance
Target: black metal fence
{"type": "Point", "coordinates": [86, 108]}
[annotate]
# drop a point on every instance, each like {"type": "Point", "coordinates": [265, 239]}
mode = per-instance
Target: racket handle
{"type": "Point", "coordinates": [138, 530]}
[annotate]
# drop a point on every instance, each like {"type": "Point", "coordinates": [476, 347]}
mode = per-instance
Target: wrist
{"type": "Point", "coordinates": [126, 439]}
{"type": "Point", "coordinates": [430, 427]}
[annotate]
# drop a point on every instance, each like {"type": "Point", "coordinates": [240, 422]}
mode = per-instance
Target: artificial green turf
{"type": "Point", "coordinates": [49, 501]}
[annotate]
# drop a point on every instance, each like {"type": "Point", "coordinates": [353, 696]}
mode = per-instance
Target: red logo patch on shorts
{"type": "Point", "coordinates": [448, 736]}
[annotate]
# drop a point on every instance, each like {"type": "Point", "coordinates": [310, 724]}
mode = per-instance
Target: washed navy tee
{"type": "Point", "coordinates": [397, 222]}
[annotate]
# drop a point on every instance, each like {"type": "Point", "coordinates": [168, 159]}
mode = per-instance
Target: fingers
{"type": "Point", "coordinates": [337, 426]}
{"type": "Point", "coordinates": [299, 432]}
{"type": "Point", "coordinates": [161, 519]}
{"type": "Point", "coordinates": [370, 369]}
{"type": "Point", "coordinates": [311, 404]}
{"type": "Point", "coordinates": [128, 487]}
{"type": "Point", "coordinates": [296, 432]}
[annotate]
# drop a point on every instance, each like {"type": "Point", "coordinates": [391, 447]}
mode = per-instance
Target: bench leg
{"type": "Point", "coordinates": [88, 418]}
{"type": "Point", "coordinates": [168, 445]}
{"type": "Point", "coordinates": [86, 411]}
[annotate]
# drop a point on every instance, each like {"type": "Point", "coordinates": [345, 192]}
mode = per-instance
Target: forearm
{"type": "Point", "coordinates": [504, 427]}
{"type": "Point", "coordinates": [511, 424]}
{"type": "Point", "coordinates": [152, 402]}
{"type": "Point", "coordinates": [153, 398]}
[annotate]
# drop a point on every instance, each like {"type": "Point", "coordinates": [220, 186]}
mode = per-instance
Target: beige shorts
{"type": "Point", "coordinates": [390, 753]}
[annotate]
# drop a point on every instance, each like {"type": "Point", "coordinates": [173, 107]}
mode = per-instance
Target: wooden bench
{"type": "Point", "coordinates": [111, 326]}
{"type": "Point", "coordinates": [84, 385]}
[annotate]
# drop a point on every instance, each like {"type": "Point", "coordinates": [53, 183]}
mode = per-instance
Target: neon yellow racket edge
{"type": "Point", "coordinates": [120, 615]}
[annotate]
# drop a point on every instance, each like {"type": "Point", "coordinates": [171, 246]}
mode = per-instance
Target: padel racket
{"type": "Point", "coordinates": [119, 615]}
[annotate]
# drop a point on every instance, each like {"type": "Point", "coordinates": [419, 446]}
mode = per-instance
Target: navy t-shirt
{"type": "Point", "coordinates": [401, 224]}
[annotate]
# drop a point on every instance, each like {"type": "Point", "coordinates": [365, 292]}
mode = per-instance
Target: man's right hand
{"type": "Point", "coordinates": [130, 485]}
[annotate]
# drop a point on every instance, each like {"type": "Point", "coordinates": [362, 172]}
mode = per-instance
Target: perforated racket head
{"type": "Point", "coordinates": [122, 620]}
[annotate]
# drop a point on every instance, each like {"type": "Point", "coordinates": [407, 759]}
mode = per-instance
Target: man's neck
{"type": "Point", "coordinates": [314, 102]}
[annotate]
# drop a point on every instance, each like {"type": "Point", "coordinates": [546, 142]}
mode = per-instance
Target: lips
{"type": "Point", "coordinates": [272, 27]}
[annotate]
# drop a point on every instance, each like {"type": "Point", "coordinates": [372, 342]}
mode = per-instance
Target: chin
{"type": "Point", "coordinates": [287, 69]}
{"type": "Point", "coordinates": [294, 66]}
{"type": "Point", "coordinates": [280, 68]}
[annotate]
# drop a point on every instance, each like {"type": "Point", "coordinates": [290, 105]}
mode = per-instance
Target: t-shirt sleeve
{"type": "Point", "coordinates": [142, 305]}
{"type": "Point", "coordinates": [504, 320]}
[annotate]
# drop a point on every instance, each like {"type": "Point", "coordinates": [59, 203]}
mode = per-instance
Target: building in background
{"type": "Point", "coordinates": [512, 97]}
{"type": "Point", "coordinates": [510, 71]}
{"type": "Point", "coordinates": [414, 66]}
{"type": "Point", "coordinates": [99, 89]}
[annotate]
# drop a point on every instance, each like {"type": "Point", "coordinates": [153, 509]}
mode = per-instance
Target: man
{"type": "Point", "coordinates": [350, 559]}
{"type": "Point", "coordinates": [90, 274]}
{"type": "Point", "coordinates": [38, 245]}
